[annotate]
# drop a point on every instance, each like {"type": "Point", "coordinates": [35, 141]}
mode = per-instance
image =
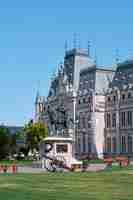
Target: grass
{"type": "Point", "coordinates": [22, 162]}
{"type": "Point", "coordinates": [115, 185]}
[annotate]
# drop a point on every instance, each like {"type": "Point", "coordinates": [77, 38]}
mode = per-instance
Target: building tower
{"type": "Point", "coordinates": [75, 60]}
{"type": "Point", "coordinates": [39, 107]}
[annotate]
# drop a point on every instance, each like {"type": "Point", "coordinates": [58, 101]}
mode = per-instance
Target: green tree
{"type": "Point", "coordinates": [34, 134]}
{"type": "Point", "coordinates": [5, 140]}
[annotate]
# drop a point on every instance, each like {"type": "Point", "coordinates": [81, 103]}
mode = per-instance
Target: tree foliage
{"type": "Point", "coordinates": [5, 141]}
{"type": "Point", "coordinates": [35, 133]}
{"type": "Point", "coordinates": [19, 135]}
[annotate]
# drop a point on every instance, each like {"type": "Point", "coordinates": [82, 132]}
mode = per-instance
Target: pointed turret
{"type": "Point", "coordinates": [39, 106]}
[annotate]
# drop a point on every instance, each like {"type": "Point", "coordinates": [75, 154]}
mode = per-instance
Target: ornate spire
{"type": "Point", "coordinates": [117, 59]}
{"type": "Point", "coordinates": [74, 40]}
{"type": "Point", "coordinates": [95, 57]}
{"type": "Point", "coordinates": [88, 48]}
{"type": "Point", "coordinates": [78, 41]}
{"type": "Point", "coordinates": [38, 91]}
{"type": "Point", "coordinates": [66, 46]}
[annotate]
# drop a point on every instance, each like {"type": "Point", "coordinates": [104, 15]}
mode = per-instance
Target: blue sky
{"type": "Point", "coordinates": [32, 37]}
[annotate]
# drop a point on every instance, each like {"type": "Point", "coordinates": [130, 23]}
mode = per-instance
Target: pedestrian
{"type": "Point", "coordinates": [5, 168]}
{"type": "Point", "coordinates": [14, 168]}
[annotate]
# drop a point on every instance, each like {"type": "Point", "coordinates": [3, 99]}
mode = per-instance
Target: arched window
{"type": "Point", "coordinates": [129, 95]}
{"type": "Point", "coordinates": [129, 118]}
{"type": "Point", "coordinates": [114, 120]}
{"type": "Point", "coordinates": [89, 99]}
{"type": "Point", "coordinates": [123, 97]}
{"type": "Point", "coordinates": [108, 120]}
{"type": "Point", "coordinates": [108, 144]}
{"type": "Point", "coordinates": [79, 145]}
{"type": "Point", "coordinates": [114, 145]}
{"type": "Point", "coordinates": [89, 145]}
{"type": "Point", "coordinates": [123, 144]}
{"type": "Point", "coordinates": [84, 101]}
{"type": "Point", "coordinates": [84, 143]}
{"type": "Point", "coordinates": [123, 119]}
{"type": "Point", "coordinates": [89, 121]}
{"type": "Point", "coordinates": [109, 99]}
{"type": "Point", "coordinates": [130, 144]}
{"type": "Point", "coordinates": [79, 122]}
{"type": "Point", "coordinates": [114, 98]}
{"type": "Point", "coordinates": [83, 122]}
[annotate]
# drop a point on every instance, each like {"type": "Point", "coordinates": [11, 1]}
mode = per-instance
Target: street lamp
{"type": "Point", "coordinates": [74, 122]}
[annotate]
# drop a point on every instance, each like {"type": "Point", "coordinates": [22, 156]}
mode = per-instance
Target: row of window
{"type": "Point", "coordinates": [111, 145]}
{"type": "Point", "coordinates": [126, 144]}
{"type": "Point", "coordinates": [85, 100]}
{"type": "Point", "coordinates": [85, 122]}
{"type": "Point", "coordinates": [109, 120]}
{"type": "Point", "coordinates": [126, 118]}
{"type": "Point", "coordinates": [86, 145]}
{"type": "Point", "coordinates": [114, 98]}
{"type": "Point", "coordinates": [89, 84]}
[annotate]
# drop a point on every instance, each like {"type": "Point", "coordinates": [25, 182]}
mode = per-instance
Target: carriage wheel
{"type": "Point", "coordinates": [58, 162]}
{"type": "Point", "coordinates": [49, 165]}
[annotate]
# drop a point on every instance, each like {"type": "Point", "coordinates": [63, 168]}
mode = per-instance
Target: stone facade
{"type": "Point", "coordinates": [76, 101]}
{"type": "Point", "coordinates": [119, 111]}
{"type": "Point", "coordinates": [60, 106]}
{"type": "Point", "coordinates": [90, 110]}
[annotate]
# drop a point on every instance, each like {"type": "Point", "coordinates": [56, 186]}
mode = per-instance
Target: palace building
{"type": "Point", "coordinates": [60, 108]}
{"type": "Point", "coordinates": [76, 102]}
{"type": "Point", "coordinates": [119, 111]}
{"type": "Point", "coordinates": [93, 86]}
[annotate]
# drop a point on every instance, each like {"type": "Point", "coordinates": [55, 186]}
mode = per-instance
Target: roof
{"type": "Point", "coordinates": [124, 75]}
{"type": "Point", "coordinates": [77, 51]}
{"type": "Point", "coordinates": [101, 78]}
{"type": "Point", "coordinates": [127, 64]}
{"type": "Point", "coordinates": [96, 68]}
{"type": "Point", "coordinates": [105, 69]}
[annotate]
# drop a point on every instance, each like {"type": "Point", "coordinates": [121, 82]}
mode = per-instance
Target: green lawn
{"type": "Point", "coordinates": [107, 185]}
{"type": "Point", "coordinates": [21, 162]}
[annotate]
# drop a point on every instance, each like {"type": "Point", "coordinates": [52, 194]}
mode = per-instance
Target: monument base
{"type": "Point", "coordinates": [57, 152]}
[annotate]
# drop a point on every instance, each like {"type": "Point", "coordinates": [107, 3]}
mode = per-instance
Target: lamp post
{"type": "Point", "coordinates": [74, 123]}
{"type": "Point", "coordinates": [93, 119]}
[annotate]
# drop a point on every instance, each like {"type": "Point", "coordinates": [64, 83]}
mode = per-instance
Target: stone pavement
{"type": "Point", "coordinates": [31, 169]}
{"type": "Point", "coordinates": [96, 167]}
{"type": "Point", "coordinates": [26, 169]}
{"type": "Point", "coordinates": [91, 168]}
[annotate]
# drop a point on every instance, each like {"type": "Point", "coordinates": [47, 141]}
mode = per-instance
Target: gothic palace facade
{"type": "Point", "coordinates": [90, 103]}
{"type": "Point", "coordinates": [119, 111]}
